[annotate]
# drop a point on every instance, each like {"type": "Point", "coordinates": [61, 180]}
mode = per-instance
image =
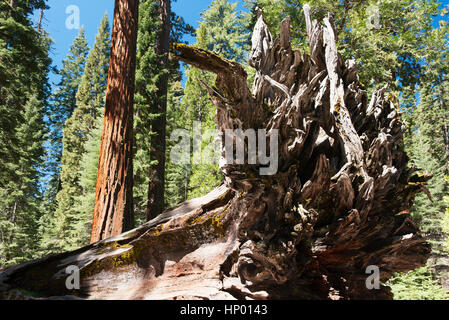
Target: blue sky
{"type": "Point", "coordinates": [91, 12]}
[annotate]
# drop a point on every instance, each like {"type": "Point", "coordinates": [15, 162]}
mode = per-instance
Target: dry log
{"type": "Point", "coordinates": [335, 206]}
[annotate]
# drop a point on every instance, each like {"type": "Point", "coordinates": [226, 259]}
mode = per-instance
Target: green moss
{"type": "Point", "coordinates": [195, 221]}
{"type": "Point", "coordinates": [159, 230]}
{"type": "Point", "coordinates": [126, 258]}
{"type": "Point", "coordinates": [217, 222]}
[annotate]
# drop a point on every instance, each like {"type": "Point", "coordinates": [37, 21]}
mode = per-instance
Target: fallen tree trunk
{"type": "Point", "coordinates": [334, 207]}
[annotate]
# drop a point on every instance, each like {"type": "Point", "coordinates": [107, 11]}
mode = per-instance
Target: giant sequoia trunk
{"type": "Point", "coordinates": [335, 206]}
{"type": "Point", "coordinates": [113, 211]}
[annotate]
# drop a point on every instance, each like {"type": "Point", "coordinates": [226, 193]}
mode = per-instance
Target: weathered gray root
{"type": "Point", "coordinates": [336, 205]}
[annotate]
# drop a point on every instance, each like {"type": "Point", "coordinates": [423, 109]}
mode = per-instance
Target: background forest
{"type": "Point", "coordinates": [50, 132]}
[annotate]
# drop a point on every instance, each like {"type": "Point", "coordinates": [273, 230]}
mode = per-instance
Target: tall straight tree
{"type": "Point", "coordinates": [72, 218]}
{"type": "Point", "coordinates": [62, 107]}
{"type": "Point", "coordinates": [220, 15]}
{"type": "Point", "coordinates": [147, 72]}
{"type": "Point", "coordinates": [156, 186]}
{"type": "Point", "coordinates": [113, 212]}
{"type": "Point", "coordinates": [24, 92]}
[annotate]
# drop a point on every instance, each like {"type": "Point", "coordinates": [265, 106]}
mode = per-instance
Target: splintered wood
{"type": "Point", "coordinates": [337, 204]}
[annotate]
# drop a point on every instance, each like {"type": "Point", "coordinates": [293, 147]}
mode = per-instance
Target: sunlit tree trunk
{"type": "Point", "coordinates": [336, 208]}
{"type": "Point", "coordinates": [113, 211]}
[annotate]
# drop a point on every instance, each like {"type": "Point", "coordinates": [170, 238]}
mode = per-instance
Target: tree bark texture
{"type": "Point", "coordinates": [113, 211]}
{"type": "Point", "coordinates": [336, 205]}
{"type": "Point", "coordinates": [156, 187]}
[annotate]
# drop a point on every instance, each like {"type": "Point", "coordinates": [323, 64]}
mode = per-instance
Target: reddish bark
{"type": "Point", "coordinates": [113, 211]}
{"type": "Point", "coordinates": [337, 205]}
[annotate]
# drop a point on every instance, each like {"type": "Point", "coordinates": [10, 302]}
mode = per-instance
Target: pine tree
{"type": "Point", "coordinates": [445, 222]}
{"type": "Point", "coordinates": [74, 212]}
{"type": "Point", "coordinates": [86, 124]}
{"type": "Point", "coordinates": [221, 15]}
{"type": "Point", "coordinates": [148, 73]}
{"type": "Point", "coordinates": [24, 91]}
{"type": "Point", "coordinates": [204, 175]}
{"type": "Point", "coordinates": [21, 54]}
{"type": "Point", "coordinates": [177, 174]}
{"type": "Point", "coordinates": [383, 37]}
{"type": "Point", "coordinates": [419, 284]}
{"type": "Point", "coordinates": [62, 107]}
{"type": "Point", "coordinates": [84, 203]}
{"type": "Point", "coordinates": [427, 147]}
{"type": "Point", "coordinates": [156, 185]}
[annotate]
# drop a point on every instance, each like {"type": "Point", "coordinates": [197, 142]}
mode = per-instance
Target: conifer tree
{"type": "Point", "coordinates": [84, 202]}
{"type": "Point", "coordinates": [445, 222]}
{"type": "Point", "coordinates": [148, 73]}
{"type": "Point", "coordinates": [419, 284]}
{"type": "Point", "coordinates": [62, 106]}
{"type": "Point", "coordinates": [24, 91]}
{"type": "Point", "coordinates": [86, 123]}
{"type": "Point", "coordinates": [156, 185]}
{"type": "Point", "coordinates": [427, 148]}
{"type": "Point", "coordinates": [384, 37]}
{"type": "Point", "coordinates": [73, 215]}
{"type": "Point", "coordinates": [221, 15]}
{"type": "Point", "coordinates": [177, 174]}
